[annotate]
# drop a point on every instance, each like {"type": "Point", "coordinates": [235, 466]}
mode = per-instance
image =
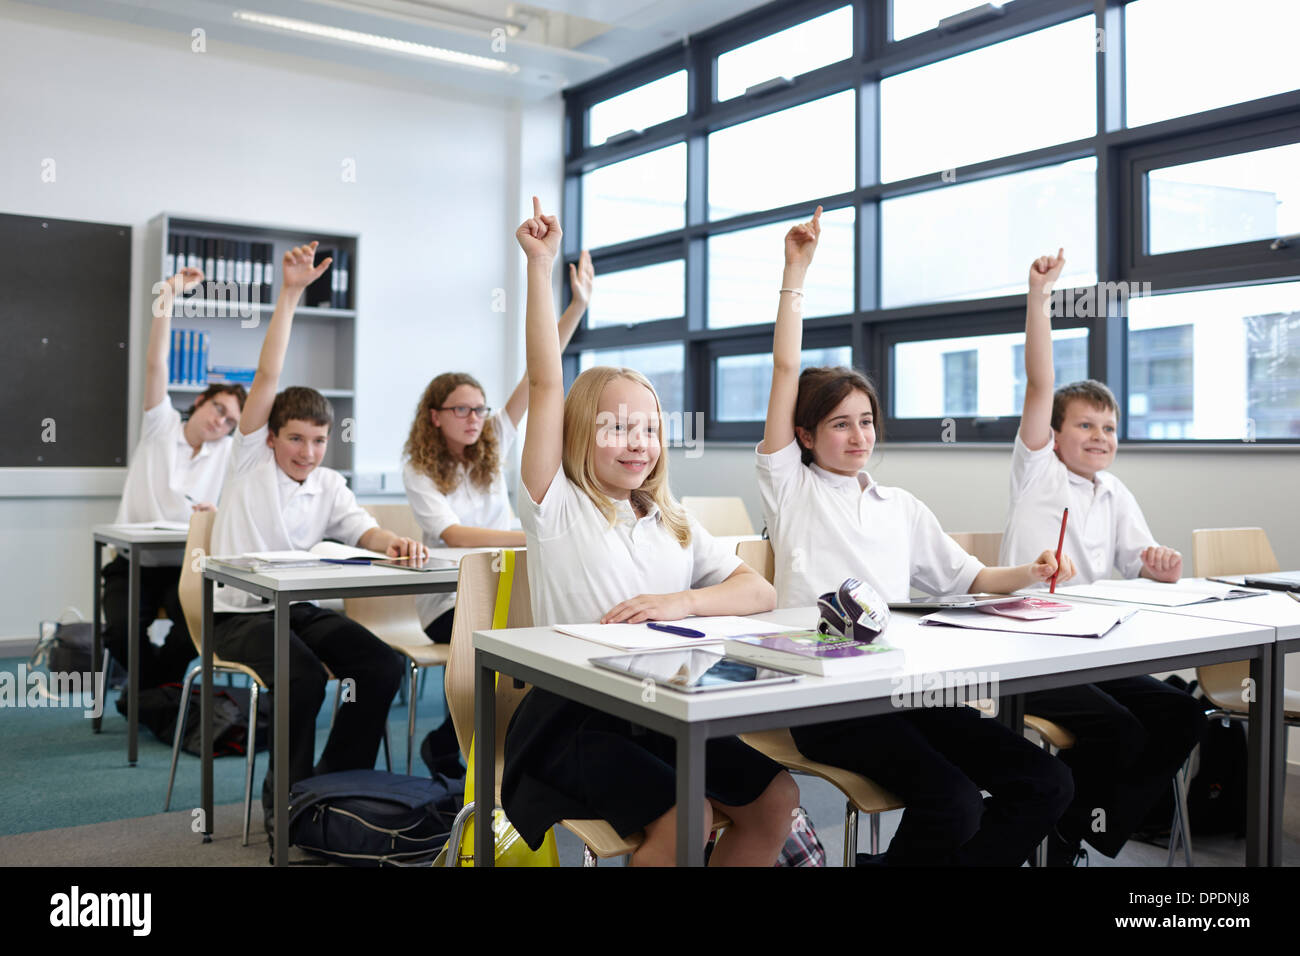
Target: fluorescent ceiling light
{"type": "Point", "coordinates": [376, 42]}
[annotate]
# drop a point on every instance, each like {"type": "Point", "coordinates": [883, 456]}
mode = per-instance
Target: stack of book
{"type": "Point", "coordinates": [228, 265]}
{"type": "Point", "coordinates": [189, 357]}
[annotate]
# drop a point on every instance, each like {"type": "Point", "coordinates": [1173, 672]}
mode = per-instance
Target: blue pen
{"type": "Point", "coordinates": [674, 629]}
{"type": "Point", "coordinates": [348, 560]}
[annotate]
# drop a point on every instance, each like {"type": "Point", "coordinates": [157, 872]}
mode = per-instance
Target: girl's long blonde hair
{"type": "Point", "coordinates": [581, 414]}
{"type": "Point", "coordinates": [428, 451]}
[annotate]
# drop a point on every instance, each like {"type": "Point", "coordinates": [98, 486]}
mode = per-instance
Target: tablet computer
{"type": "Point", "coordinates": [428, 564]}
{"type": "Point", "coordinates": [1282, 581]}
{"type": "Point", "coordinates": [693, 670]}
{"type": "Point", "coordinates": [945, 601]}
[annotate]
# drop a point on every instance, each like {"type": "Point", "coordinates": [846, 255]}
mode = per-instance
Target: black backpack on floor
{"type": "Point", "coordinates": [373, 818]}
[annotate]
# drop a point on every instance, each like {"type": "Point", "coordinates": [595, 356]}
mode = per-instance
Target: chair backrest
{"type": "Point", "coordinates": [720, 516]}
{"type": "Point", "coordinates": [190, 588]}
{"type": "Point", "coordinates": [759, 556]}
{"type": "Point", "coordinates": [476, 594]}
{"type": "Point", "coordinates": [1219, 551]}
{"type": "Point", "coordinates": [394, 619]}
{"type": "Point", "coordinates": [981, 544]}
{"type": "Point", "coordinates": [398, 518]}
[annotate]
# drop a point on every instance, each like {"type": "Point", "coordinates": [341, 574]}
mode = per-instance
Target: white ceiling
{"type": "Point", "coordinates": [554, 43]}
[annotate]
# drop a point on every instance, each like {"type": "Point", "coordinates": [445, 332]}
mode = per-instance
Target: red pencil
{"type": "Point", "coordinates": [1064, 515]}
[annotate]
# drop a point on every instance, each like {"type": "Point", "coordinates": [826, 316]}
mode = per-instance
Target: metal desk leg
{"type": "Point", "coordinates": [133, 657]}
{"type": "Point", "coordinates": [280, 735]}
{"type": "Point", "coordinates": [1258, 750]}
{"type": "Point", "coordinates": [485, 771]}
{"type": "Point", "coordinates": [1011, 712]}
{"type": "Point", "coordinates": [205, 709]}
{"type": "Point", "coordinates": [97, 635]}
{"type": "Point", "coordinates": [690, 796]}
{"type": "Point", "coordinates": [1277, 757]}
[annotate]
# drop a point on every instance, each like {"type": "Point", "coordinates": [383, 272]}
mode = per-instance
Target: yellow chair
{"type": "Point", "coordinates": [395, 620]}
{"type": "Point", "coordinates": [862, 795]}
{"type": "Point", "coordinates": [719, 516]}
{"type": "Point", "coordinates": [1217, 552]}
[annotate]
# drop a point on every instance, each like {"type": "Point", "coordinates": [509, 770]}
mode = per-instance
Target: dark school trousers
{"type": "Point", "coordinates": [937, 760]}
{"type": "Point", "coordinates": [1131, 735]}
{"type": "Point", "coordinates": [158, 589]}
{"type": "Point", "coordinates": [319, 638]}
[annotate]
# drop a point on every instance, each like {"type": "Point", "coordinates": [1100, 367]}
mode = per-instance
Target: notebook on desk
{"type": "Point", "coordinates": [1141, 591]}
{"type": "Point", "coordinates": [1281, 581]}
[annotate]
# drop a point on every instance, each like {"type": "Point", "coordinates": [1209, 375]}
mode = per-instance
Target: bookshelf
{"type": "Point", "coordinates": [322, 351]}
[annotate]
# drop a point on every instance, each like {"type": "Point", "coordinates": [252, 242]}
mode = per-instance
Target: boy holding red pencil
{"type": "Point", "coordinates": [1131, 735]}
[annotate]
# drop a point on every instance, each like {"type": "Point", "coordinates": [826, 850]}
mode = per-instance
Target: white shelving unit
{"type": "Point", "coordinates": [322, 350]}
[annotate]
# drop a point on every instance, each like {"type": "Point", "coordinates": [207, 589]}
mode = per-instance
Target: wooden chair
{"type": "Point", "coordinates": [395, 620]}
{"type": "Point", "coordinates": [720, 516]}
{"type": "Point", "coordinates": [982, 544]}
{"type": "Point", "coordinates": [861, 794]}
{"type": "Point", "coordinates": [476, 593]}
{"type": "Point", "coordinates": [1217, 552]}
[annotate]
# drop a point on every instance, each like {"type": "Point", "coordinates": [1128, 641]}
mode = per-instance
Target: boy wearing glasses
{"type": "Point", "coordinates": [279, 498]}
{"type": "Point", "coordinates": [455, 482]}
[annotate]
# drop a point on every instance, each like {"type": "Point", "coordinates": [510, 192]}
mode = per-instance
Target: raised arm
{"type": "Point", "coordinates": [1040, 376]}
{"type": "Point", "coordinates": [800, 244]}
{"type": "Point", "coordinates": [581, 279]}
{"type": "Point", "coordinates": [539, 237]}
{"type": "Point", "coordinates": [160, 334]}
{"type": "Point", "coordinates": [296, 273]}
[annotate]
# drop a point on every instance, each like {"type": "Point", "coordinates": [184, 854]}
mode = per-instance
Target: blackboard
{"type": "Point", "coordinates": [65, 301]}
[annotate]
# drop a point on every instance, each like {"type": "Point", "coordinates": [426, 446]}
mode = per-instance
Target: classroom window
{"type": "Point", "coordinates": [976, 106]}
{"type": "Point", "coordinates": [662, 364]}
{"type": "Point", "coordinates": [976, 240]}
{"type": "Point", "coordinates": [1216, 364]}
{"type": "Point", "coordinates": [745, 271]}
{"type": "Point", "coordinates": [981, 375]}
{"type": "Point", "coordinates": [638, 109]}
{"type": "Point", "coordinates": [911, 17]}
{"type": "Point", "coordinates": [1185, 56]}
{"type": "Point", "coordinates": [806, 46]}
{"type": "Point", "coordinates": [799, 153]}
{"type": "Point", "coordinates": [744, 382]}
{"type": "Point", "coordinates": [1215, 202]}
{"type": "Point", "coordinates": [642, 294]}
{"type": "Point", "coordinates": [642, 196]}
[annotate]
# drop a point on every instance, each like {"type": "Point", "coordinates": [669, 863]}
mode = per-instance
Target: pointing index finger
{"type": "Point", "coordinates": [537, 208]}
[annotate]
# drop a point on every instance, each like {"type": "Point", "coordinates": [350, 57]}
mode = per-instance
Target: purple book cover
{"type": "Point", "coordinates": [814, 644]}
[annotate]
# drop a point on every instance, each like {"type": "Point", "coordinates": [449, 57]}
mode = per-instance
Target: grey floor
{"type": "Point", "coordinates": [166, 839]}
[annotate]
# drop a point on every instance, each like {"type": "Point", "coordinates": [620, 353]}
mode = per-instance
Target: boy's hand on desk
{"type": "Point", "coordinates": [298, 271]}
{"type": "Point", "coordinates": [539, 236]}
{"type": "Point", "coordinates": [1162, 564]}
{"type": "Point", "coordinates": [1044, 272]}
{"type": "Point", "coordinates": [1044, 567]}
{"type": "Point", "coordinates": [407, 548]}
{"type": "Point", "coordinates": [649, 607]}
{"type": "Point", "coordinates": [581, 279]}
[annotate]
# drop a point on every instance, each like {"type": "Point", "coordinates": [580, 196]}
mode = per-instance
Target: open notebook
{"type": "Point", "coordinates": [1082, 620]}
{"type": "Point", "coordinates": [1141, 591]}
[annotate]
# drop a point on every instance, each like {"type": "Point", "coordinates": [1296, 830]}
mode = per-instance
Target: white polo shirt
{"type": "Point", "coordinates": [1105, 530]}
{"type": "Point", "coordinates": [826, 527]}
{"type": "Point", "coordinates": [579, 567]}
{"type": "Point", "coordinates": [164, 469]}
{"type": "Point", "coordinates": [263, 509]}
{"type": "Point", "coordinates": [466, 504]}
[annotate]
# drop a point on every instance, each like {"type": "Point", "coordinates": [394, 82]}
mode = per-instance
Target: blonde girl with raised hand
{"type": "Point", "coordinates": [607, 542]}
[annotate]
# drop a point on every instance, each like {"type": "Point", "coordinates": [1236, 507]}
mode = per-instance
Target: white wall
{"type": "Point", "coordinates": [138, 124]}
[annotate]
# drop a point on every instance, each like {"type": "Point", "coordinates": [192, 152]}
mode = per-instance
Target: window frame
{"type": "Point", "coordinates": [871, 331]}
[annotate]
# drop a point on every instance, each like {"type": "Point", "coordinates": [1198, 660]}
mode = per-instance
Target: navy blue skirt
{"type": "Point", "coordinates": [568, 761]}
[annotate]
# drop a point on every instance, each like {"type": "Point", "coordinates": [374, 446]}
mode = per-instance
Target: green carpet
{"type": "Point", "coordinates": [58, 773]}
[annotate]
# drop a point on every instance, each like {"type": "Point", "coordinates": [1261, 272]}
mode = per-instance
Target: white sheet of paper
{"type": "Point", "coordinates": [638, 637]}
{"type": "Point", "coordinates": [1082, 620]}
{"type": "Point", "coordinates": [1141, 591]}
{"type": "Point", "coordinates": [332, 549]}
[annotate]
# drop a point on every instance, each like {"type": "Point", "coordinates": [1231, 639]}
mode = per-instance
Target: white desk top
{"type": "Point", "coordinates": [981, 656]}
{"type": "Point", "coordinates": [338, 576]}
{"type": "Point", "coordinates": [1273, 609]}
{"type": "Point", "coordinates": [132, 534]}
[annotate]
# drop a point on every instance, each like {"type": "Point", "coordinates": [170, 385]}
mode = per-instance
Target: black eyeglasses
{"type": "Point", "coordinates": [463, 411]}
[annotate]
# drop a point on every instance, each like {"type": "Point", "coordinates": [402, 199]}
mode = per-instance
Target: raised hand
{"type": "Point", "coordinates": [297, 270]}
{"type": "Point", "coordinates": [539, 236]}
{"type": "Point", "coordinates": [1162, 564]}
{"type": "Point", "coordinates": [1044, 272]}
{"type": "Point", "coordinates": [581, 279]}
{"type": "Point", "coordinates": [801, 241]}
{"type": "Point", "coordinates": [166, 291]}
